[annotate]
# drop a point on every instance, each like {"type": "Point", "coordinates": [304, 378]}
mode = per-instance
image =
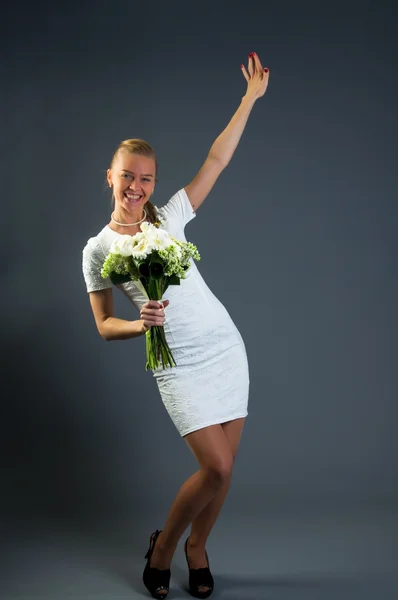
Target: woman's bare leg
{"type": "Point", "coordinates": [205, 520]}
{"type": "Point", "coordinates": [213, 452]}
{"type": "Point", "coordinates": [203, 523]}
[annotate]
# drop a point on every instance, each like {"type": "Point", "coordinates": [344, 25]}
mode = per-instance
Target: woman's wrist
{"type": "Point", "coordinates": [249, 99]}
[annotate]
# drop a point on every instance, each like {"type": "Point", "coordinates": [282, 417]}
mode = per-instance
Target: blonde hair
{"type": "Point", "coordinates": [142, 148]}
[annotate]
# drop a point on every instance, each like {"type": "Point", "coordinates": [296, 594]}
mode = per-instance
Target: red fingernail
{"type": "Point", "coordinates": [251, 54]}
{"type": "Point", "coordinates": [265, 69]}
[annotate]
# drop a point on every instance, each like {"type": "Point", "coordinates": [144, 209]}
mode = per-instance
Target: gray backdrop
{"type": "Point", "coordinates": [298, 239]}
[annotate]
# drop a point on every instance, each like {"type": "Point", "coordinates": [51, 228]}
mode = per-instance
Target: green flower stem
{"type": "Point", "coordinates": [157, 349]}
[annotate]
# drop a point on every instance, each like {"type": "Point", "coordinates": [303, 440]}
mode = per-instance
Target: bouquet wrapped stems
{"type": "Point", "coordinates": [157, 348]}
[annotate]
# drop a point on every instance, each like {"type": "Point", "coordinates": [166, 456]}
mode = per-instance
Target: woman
{"type": "Point", "coordinates": [206, 394]}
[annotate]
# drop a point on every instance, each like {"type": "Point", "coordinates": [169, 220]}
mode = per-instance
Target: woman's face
{"type": "Point", "coordinates": [133, 180]}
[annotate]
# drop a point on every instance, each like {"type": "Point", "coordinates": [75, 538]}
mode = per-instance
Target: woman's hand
{"type": "Point", "coordinates": [152, 313]}
{"type": "Point", "coordinates": [257, 77]}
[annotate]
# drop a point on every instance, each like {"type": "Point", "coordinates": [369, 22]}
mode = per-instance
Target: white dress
{"type": "Point", "coordinates": [210, 383]}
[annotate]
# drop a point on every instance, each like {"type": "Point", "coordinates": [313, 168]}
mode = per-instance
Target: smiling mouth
{"type": "Point", "coordinates": [132, 197]}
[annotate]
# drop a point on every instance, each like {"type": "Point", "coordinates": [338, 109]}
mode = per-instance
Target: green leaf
{"type": "Point", "coordinates": [173, 280]}
{"type": "Point", "coordinates": [118, 279]}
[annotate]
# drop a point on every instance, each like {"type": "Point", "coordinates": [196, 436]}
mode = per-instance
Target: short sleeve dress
{"type": "Point", "coordinates": [210, 383]}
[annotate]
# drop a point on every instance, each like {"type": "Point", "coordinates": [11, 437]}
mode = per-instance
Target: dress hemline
{"type": "Point", "coordinates": [216, 422]}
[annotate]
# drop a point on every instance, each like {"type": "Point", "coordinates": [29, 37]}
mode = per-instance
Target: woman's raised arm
{"type": "Point", "coordinates": [225, 145]}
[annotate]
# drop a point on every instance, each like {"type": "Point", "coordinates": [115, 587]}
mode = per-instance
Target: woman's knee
{"type": "Point", "coordinates": [219, 470]}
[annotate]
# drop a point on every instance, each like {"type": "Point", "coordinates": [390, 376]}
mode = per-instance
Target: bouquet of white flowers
{"type": "Point", "coordinates": [154, 259]}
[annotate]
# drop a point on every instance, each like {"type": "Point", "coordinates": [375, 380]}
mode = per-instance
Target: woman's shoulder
{"type": "Point", "coordinates": [96, 243]}
{"type": "Point", "coordinates": [178, 207]}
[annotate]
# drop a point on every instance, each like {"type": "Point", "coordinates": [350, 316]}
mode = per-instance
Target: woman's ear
{"type": "Point", "coordinates": [109, 177]}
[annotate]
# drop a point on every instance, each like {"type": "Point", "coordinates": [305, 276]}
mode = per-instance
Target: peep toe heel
{"type": "Point", "coordinates": [155, 580]}
{"type": "Point", "coordinates": [199, 578]}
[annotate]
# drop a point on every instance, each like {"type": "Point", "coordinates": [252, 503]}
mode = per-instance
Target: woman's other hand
{"type": "Point", "coordinates": [256, 76]}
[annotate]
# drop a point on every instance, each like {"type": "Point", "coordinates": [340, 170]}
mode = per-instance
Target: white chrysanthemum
{"type": "Point", "coordinates": [142, 246]}
{"type": "Point", "coordinates": [146, 227]}
{"type": "Point", "coordinates": [161, 239]}
{"type": "Point", "coordinates": [122, 245]}
{"type": "Point", "coordinates": [158, 238]}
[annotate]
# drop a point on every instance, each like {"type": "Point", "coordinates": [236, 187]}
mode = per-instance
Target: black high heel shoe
{"type": "Point", "coordinates": [199, 578]}
{"type": "Point", "coordinates": [155, 580]}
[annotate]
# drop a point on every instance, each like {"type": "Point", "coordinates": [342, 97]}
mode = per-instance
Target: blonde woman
{"type": "Point", "coordinates": [206, 394]}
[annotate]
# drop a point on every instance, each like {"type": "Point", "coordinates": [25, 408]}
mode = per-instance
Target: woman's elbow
{"type": "Point", "coordinates": [104, 331]}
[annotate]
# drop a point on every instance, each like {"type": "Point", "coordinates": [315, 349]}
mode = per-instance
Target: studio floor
{"type": "Point", "coordinates": [313, 555]}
